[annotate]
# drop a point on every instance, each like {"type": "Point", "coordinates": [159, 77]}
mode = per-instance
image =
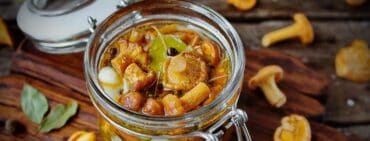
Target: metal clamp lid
{"type": "Point", "coordinates": [57, 26]}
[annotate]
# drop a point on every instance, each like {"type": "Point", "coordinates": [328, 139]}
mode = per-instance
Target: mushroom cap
{"type": "Point", "coordinates": [184, 71]}
{"type": "Point", "coordinates": [306, 33]}
{"type": "Point", "coordinates": [293, 127]}
{"type": "Point", "coordinates": [353, 62]}
{"type": "Point", "coordinates": [265, 73]}
{"type": "Point", "coordinates": [243, 4]}
{"type": "Point", "coordinates": [355, 2]}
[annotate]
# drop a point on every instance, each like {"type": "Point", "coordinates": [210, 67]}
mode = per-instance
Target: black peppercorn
{"type": "Point", "coordinates": [113, 52]}
{"type": "Point", "coordinates": [13, 126]}
{"type": "Point", "coordinates": [171, 51]}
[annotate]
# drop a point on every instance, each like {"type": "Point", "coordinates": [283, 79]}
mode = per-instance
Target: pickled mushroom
{"type": "Point", "coordinates": [195, 96]}
{"type": "Point", "coordinates": [172, 105]}
{"type": "Point", "coordinates": [163, 69]}
{"type": "Point", "coordinates": [153, 107]}
{"type": "Point", "coordinates": [211, 52]}
{"type": "Point", "coordinates": [120, 62]}
{"type": "Point", "coordinates": [128, 53]}
{"type": "Point", "coordinates": [137, 78]}
{"type": "Point", "coordinates": [132, 101]}
{"type": "Point", "coordinates": [184, 71]}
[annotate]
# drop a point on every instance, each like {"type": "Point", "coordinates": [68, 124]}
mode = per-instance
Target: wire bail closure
{"type": "Point", "coordinates": [236, 117]}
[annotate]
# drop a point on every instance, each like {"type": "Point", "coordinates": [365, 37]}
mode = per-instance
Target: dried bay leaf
{"type": "Point", "coordinates": [58, 116]}
{"type": "Point", "coordinates": [34, 104]}
{"type": "Point", "coordinates": [158, 49]}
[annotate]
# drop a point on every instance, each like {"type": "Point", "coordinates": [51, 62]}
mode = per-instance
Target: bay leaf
{"type": "Point", "coordinates": [58, 116]}
{"type": "Point", "coordinates": [34, 103]}
{"type": "Point", "coordinates": [158, 49]}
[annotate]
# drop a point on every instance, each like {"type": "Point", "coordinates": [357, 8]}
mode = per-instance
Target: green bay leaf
{"type": "Point", "coordinates": [157, 51]}
{"type": "Point", "coordinates": [34, 103]}
{"type": "Point", "coordinates": [58, 116]}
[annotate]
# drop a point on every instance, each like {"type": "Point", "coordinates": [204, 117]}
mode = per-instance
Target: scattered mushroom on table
{"type": "Point", "coordinates": [243, 4]}
{"type": "Point", "coordinates": [266, 79]}
{"type": "Point", "coordinates": [82, 136]}
{"type": "Point", "coordinates": [355, 2]}
{"type": "Point", "coordinates": [301, 29]}
{"type": "Point", "coordinates": [293, 128]}
{"type": "Point", "coordinates": [353, 62]}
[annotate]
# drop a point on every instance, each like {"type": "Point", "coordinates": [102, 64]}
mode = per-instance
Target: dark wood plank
{"type": "Point", "coordinates": [62, 70]}
{"type": "Point", "coordinates": [303, 86]}
{"type": "Point", "coordinates": [263, 122]}
{"type": "Point", "coordinates": [29, 61]}
{"type": "Point", "coordinates": [329, 38]}
{"type": "Point", "coordinates": [10, 89]}
{"type": "Point", "coordinates": [296, 75]}
{"type": "Point", "coordinates": [262, 119]}
{"type": "Point", "coordinates": [283, 9]}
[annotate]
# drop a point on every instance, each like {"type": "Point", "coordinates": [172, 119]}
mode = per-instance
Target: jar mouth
{"type": "Point", "coordinates": [222, 31]}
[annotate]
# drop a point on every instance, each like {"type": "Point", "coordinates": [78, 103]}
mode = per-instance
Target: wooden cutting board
{"type": "Point", "coordinates": [60, 78]}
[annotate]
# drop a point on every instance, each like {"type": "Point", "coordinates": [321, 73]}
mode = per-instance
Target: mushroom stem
{"type": "Point", "coordinates": [301, 29]}
{"type": "Point", "coordinates": [280, 34]}
{"type": "Point", "coordinates": [273, 93]}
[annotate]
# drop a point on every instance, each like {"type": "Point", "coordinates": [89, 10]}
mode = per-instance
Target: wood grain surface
{"type": "Point", "coordinates": [310, 83]}
{"type": "Point", "coordinates": [283, 9]}
{"type": "Point", "coordinates": [10, 107]}
{"type": "Point", "coordinates": [320, 55]}
{"type": "Point", "coordinates": [303, 87]}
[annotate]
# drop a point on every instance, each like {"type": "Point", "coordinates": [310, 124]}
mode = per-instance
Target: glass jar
{"type": "Point", "coordinates": [117, 123]}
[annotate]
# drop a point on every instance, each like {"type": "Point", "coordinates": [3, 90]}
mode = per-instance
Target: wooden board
{"type": "Point", "coordinates": [329, 38]}
{"type": "Point", "coordinates": [10, 107]}
{"type": "Point", "coordinates": [283, 9]}
{"type": "Point", "coordinates": [303, 87]}
{"type": "Point", "coordinates": [323, 100]}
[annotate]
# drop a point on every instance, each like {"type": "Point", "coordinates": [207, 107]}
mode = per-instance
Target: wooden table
{"type": "Point", "coordinates": [310, 83]}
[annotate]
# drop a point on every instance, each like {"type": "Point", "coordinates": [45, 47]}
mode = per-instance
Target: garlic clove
{"type": "Point", "coordinates": [108, 75]}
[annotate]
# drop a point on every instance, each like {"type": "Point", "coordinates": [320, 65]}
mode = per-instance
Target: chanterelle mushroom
{"type": "Point", "coordinates": [184, 71]}
{"type": "Point", "coordinates": [129, 53]}
{"type": "Point", "coordinates": [211, 52]}
{"type": "Point", "coordinates": [243, 4]}
{"type": "Point", "coordinates": [356, 2]}
{"type": "Point", "coordinates": [132, 100]}
{"type": "Point", "coordinates": [137, 78]}
{"type": "Point", "coordinates": [82, 136]}
{"type": "Point", "coordinates": [266, 79]}
{"type": "Point", "coordinates": [301, 29]}
{"type": "Point", "coordinates": [195, 96]}
{"type": "Point", "coordinates": [293, 128]}
{"type": "Point", "coordinates": [172, 105]}
{"type": "Point", "coordinates": [5, 37]}
{"type": "Point", "coordinates": [353, 62]}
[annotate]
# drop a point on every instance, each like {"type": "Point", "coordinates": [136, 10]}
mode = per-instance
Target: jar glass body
{"type": "Point", "coordinates": [116, 122]}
